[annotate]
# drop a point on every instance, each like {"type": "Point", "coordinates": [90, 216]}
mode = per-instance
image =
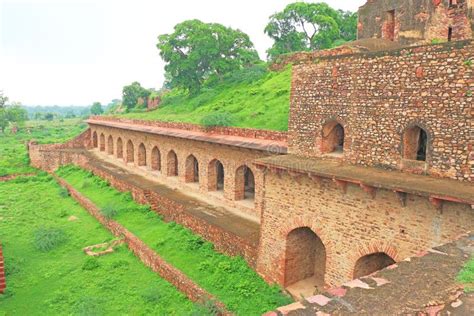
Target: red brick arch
{"type": "Point", "coordinates": [130, 157]}
{"type": "Point", "coordinates": [324, 139]}
{"type": "Point", "coordinates": [372, 248]}
{"type": "Point", "coordinates": [95, 142]}
{"type": "Point", "coordinates": [244, 174]}
{"type": "Point", "coordinates": [214, 176]}
{"type": "Point", "coordinates": [119, 148]}
{"type": "Point", "coordinates": [156, 159]}
{"type": "Point", "coordinates": [172, 164]}
{"type": "Point", "coordinates": [142, 155]}
{"type": "Point", "coordinates": [110, 145]}
{"type": "Point", "coordinates": [102, 142]}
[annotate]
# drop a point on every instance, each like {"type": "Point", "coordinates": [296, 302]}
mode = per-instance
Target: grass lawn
{"type": "Point", "coordinates": [230, 279]}
{"type": "Point", "coordinates": [13, 151]}
{"type": "Point", "coordinates": [466, 276]}
{"type": "Point", "coordinates": [251, 98]}
{"type": "Point", "coordinates": [63, 280]}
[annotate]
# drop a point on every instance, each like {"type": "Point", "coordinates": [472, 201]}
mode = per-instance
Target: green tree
{"type": "Point", "coordinates": [309, 26]}
{"type": "Point", "coordinates": [12, 114]}
{"type": "Point", "coordinates": [96, 108]}
{"type": "Point", "coordinates": [196, 50]}
{"type": "Point", "coordinates": [3, 100]}
{"type": "Point", "coordinates": [132, 93]}
{"type": "Point", "coordinates": [49, 116]}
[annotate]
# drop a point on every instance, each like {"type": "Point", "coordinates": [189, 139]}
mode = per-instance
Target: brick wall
{"type": "Point", "coordinates": [149, 257]}
{"type": "Point", "coordinates": [350, 225]}
{"type": "Point", "coordinates": [415, 21]}
{"type": "Point", "coordinates": [230, 131]}
{"type": "Point", "coordinates": [377, 97]}
{"type": "Point", "coordinates": [3, 282]}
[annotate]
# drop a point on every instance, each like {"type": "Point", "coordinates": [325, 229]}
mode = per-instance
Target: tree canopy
{"type": "Point", "coordinates": [309, 26]}
{"type": "Point", "coordinates": [196, 50]}
{"type": "Point", "coordinates": [96, 108]}
{"type": "Point", "coordinates": [11, 114]}
{"type": "Point", "coordinates": [131, 94]}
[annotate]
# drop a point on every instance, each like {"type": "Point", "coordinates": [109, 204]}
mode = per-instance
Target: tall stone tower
{"type": "Point", "coordinates": [413, 22]}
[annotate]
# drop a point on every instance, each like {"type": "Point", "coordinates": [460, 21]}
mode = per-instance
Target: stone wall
{"type": "Point", "coordinates": [149, 257]}
{"type": "Point", "coordinates": [377, 97]}
{"type": "Point", "coordinates": [49, 158]}
{"type": "Point", "coordinates": [416, 21]}
{"type": "Point", "coordinates": [350, 225]}
{"type": "Point", "coordinates": [219, 130]}
{"type": "Point", "coordinates": [3, 282]}
{"type": "Point", "coordinates": [172, 159]}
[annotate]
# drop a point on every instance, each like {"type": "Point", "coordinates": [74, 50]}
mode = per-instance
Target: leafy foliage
{"type": "Point", "coordinates": [14, 114]}
{"type": "Point", "coordinates": [96, 108]}
{"type": "Point", "coordinates": [217, 119]}
{"type": "Point", "coordinates": [309, 26]}
{"type": "Point", "coordinates": [109, 212]}
{"type": "Point", "coordinates": [196, 51]}
{"type": "Point", "coordinates": [133, 94]}
{"type": "Point", "coordinates": [46, 239]}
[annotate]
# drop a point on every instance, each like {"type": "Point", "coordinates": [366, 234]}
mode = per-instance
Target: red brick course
{"type": "Point", "coordinates": [147, 255]}
{"type": "Point", "coordinates": [3, 282]}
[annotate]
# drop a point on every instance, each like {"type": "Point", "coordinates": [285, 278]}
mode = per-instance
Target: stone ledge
{"type": "Point", "coordinates": [370, 179]}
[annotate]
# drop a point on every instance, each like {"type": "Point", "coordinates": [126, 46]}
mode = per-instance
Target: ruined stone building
{"type": "Point", "coordinates": [417, 21]}
{"type": "Point", "coordinates": [377, 165]}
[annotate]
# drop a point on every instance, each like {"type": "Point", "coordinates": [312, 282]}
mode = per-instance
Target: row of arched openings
{"type": "Point", "coordinates": [244, 180]}
{"type": "Point", "coordinates": [415, 141]}
{"type": "Point", "coordinates": [305, 259]}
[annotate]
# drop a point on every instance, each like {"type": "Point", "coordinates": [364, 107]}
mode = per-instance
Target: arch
{"type": "Point", "coordinates": [371, 263]}
{"type": "Point", "coordinates": [305, 258]}
{"type": "Point", "coordinates": [141, 155]}
{"type": "Point", "coordinates": [415, 143]}
{"type": "Point", "coordinates": [95, 143]}
{"type": "Point", "coordinates": [110, 145]}
{"type": "Point", "coordinates": [130, 152]}
{"type": "Point", "coordinates": [333, 137]}
{"type": "Point", "coordinates": [155, 159]}
{"type": "Point", "coordinates": [119, 148]}
{"type": "Point", "coordinates": [172, 164]}
{"type": "Point", "coordinates": [192, 169]}
{"type": "Point", "coordinates": [102, 142]}
{"type": "Point", "coordinates": [244, 183]}
{"type": "Point", "coordinates": [215, 176]}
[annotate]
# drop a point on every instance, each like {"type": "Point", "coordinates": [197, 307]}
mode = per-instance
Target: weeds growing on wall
{"type": "Point", "coordinates": [466, 276]}
{"type": "Point", "coordinates": [229, 279]}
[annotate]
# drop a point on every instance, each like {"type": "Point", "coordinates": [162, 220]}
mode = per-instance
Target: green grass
{"type": "Point", "coordinates": [251, 98]}
{"type": "Point", "coordinates": [13, 151]}
{"type": "Point", "coordinates": [466, 276]}
{"type": "Point", "coordinates": [228, 278]}
{"type": "Point", "coordinates": [63, 280]}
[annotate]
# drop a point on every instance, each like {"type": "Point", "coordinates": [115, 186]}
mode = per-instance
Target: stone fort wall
{"type": "Point", "coordinates": [376, 97]}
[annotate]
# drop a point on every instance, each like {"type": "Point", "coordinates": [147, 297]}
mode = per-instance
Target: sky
{"type": "Point", "coordinates": [76, 52]}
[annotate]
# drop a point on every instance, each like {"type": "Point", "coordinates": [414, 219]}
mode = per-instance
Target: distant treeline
{"type": "Point", "coordinates": [55, 111]}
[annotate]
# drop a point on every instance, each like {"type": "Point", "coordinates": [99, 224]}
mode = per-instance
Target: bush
{"type": "Point", "coordinates": [217, 119]}
{"type": "Point", "coordinates": [109, 212]}
{"type": "Point", "coordinates": [90, 264]}
{"type": "Point", "coordinates": [89, 306]}
{"type": "Point", "coordinates": [63, 192]}
{"type": "Point", "coordinates": [151, 295]}
{"type": "Point", "coordinates": [46, 239]}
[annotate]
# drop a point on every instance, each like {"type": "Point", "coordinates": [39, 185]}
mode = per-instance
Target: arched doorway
{"type": "Point", "coordinates": [110, 145]}
{"type": "Point", "coordinates": [216, 176]}
{"type": "Point", "coordinates": [102, 142]}
{"type": "Point", "coordinates": [415, 143]}
{"type": "Point", "coordinates": [130, 152]}
{"type": "Point", "coordinates": [119, 148]}
{"type": "Point", "coordinates": [305, 259]}
{"type": "Point", "coordinates": [95, 143]}
{"type": "Point", "coordinates": [192, 169]}
{"type": "Point", "coordinates": [172, 164]}
{"type": "Point", "coordinates": [371, 263]}
{"type": "Point", "coordinates": [244, 184]}
{"type": "Point", "coordinates": [141, 155]}
{"type": "Point", "coordinates": [333, 136]}
{"type": "Point", "coordinates": [155, 159]}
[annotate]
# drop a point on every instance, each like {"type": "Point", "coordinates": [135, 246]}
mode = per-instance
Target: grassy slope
{"type": "Point", "coordinates": [13, 152]}
{"type": "Point", "coordinates": [229, 279]}
{"type": "Point", "coordinates": [254, 98]}
{"type": "Point", "coordinates": [466, 276]}
{"type": "Point", "coordinates": [54, 283]}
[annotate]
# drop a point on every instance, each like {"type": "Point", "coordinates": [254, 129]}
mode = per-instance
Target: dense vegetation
{"type": "Point", "coordinates": [13, 149]}
{"type": "Point", "coordinates": [229, 279]}
{"type": "Point", "coordinates": [49, 274]}
{"type": "Point", "coordinates": [252, 97]}
{"type": "Point", "coordinates": [466, 276]}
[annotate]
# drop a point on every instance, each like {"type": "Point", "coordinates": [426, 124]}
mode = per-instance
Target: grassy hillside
{"type": "Point", "coordinates": [252, 98]}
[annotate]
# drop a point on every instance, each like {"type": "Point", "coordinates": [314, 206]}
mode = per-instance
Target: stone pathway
{"type": "Point", "coordinates": [421, 285]}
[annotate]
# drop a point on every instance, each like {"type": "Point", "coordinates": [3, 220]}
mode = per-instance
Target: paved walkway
{"type": "Point", "coordinates": [218, 216]}
{"type": "Point", "coordinates": [422, 285]}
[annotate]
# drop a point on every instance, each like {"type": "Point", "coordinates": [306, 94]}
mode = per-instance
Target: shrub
{"type": "Point", "coordinates": [109, 212]}
{"type": "Point", "coordinates": [46, 239]}
{"type": "Point", "coordinates": [217, 119]}
{"type": "Point", "coordinates": [151, 295]}
{"type": "Point", "coordinates": [63, 192]}
{"type": "Point", "coordinates": [88, 306]}
{"type": "Point", "coordinates": [90, 264]}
